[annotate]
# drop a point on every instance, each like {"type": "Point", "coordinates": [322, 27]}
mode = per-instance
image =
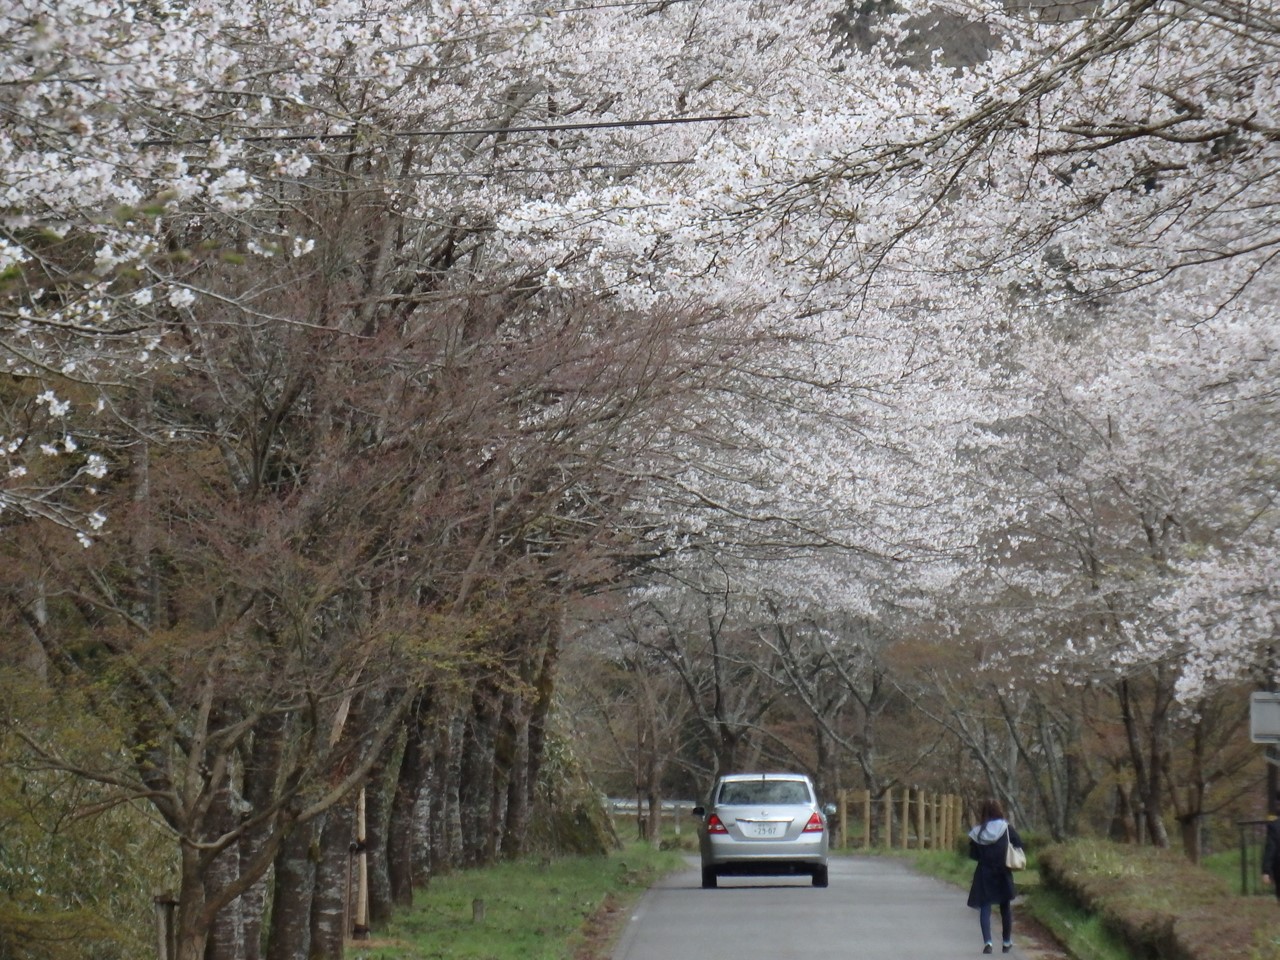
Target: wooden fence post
{"type": "Point", "coordinates": [843, 806]}
{"type": "Point", "coordinates": [888, 818]}
{"type": "Point", "coordinates": [931, 820]}
{"type": "Point", "coordinates": [906, 817]}
{"type": "Point", "coordinates": [866, 819]}
{"type": "Point", "coordinates": [920, 801]}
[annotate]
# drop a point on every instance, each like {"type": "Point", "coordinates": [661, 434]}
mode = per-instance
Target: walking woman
{"type": "Point", "coordinates": [1271, 850]}
{"type": "Point", "coordinates": [992, 880]}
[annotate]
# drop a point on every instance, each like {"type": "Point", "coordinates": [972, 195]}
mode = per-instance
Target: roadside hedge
{"type": "Point", "coordinates": [1160, 905]}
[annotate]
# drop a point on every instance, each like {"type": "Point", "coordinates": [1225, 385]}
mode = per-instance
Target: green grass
{"type": "Point", "coordinates": [533, 909]}
{"type": "Point", "coordinates": [943, 864]}
{"type": "Point", "coordinates": [1226, 864]}
{"type": "Point", "coordinates": [1081, 934]}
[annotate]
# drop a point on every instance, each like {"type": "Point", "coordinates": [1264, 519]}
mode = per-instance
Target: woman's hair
{"type": "Point", "coordinates": [991, 810]}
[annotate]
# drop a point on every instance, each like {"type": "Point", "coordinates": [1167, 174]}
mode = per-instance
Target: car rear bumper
{"type": "Point", "coordinates": [767, 868]}
{"type": "Point", "coordinates": [761, 855]}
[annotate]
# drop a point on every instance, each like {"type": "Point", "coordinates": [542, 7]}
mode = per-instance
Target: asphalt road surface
{"type": "Point", "coordinates": [875, 909]}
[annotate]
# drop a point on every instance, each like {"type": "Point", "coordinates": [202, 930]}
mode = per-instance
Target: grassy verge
{"type": "Point", "coordinates": [943, 864]}
{"type": "Point", "coordinates": [1141, 902]}
{"type": "Point", "coordinates": [1226, 864]}
{"type": "Point", "coordinates": [1161, 905]}
{"type": "Point", "coordinates": [1080, 934]}
{"type": "Point", "coordinates": [561, 909]}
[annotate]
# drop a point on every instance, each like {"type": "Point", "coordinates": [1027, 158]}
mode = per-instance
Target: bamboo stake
{"type": "Point", "coordinates": [360, 929]}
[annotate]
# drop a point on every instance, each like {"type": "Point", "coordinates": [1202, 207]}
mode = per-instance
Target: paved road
{"type": "Point", "coordinates": [875, 909]}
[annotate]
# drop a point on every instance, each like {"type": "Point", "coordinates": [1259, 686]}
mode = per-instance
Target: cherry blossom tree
{"type": "Point", "coordinates": [631, 719]}
{"type": "Point", "coordinates": [373, 319]}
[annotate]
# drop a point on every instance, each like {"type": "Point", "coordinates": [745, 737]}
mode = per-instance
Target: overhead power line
{"type": "Point", "coordinates": [547, 11]}
{"type": "Point", "coordinates": [453, 132]}
{"type": "Point", "coordinates": [573, 168]}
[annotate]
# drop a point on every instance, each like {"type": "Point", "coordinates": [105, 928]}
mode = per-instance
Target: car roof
{"type": "Point", "coordinates": [764, 776]}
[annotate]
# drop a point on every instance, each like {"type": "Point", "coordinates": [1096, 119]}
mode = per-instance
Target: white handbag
{"type": "Point", "coordinates": [1015, 858]}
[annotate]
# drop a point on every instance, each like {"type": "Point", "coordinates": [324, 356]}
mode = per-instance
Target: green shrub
{"type": "Point", "coordinates": [1161, 906]}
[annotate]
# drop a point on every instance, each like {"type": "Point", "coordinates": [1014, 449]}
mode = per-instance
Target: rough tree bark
{"type": "Point", "coordinates": [260, 776]}
{"type": "Point", "coordinates": [1148, 754]}
{"type": "Point", "coordinates": [295, 875]}
{"type": "Point", "coordinates": [475, 787]}
{"type": "Point", "coordinates": [227, 934]}
{"type": "Point", "coordinates": [378, 838]}
{"type": "Point", "coordinates": [329, 901]}
{"type": "Point", "coordinates": [401, 828]}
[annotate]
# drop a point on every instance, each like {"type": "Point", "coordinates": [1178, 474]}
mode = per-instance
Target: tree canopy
{"type": "Point", "coordinates": [359, 357]}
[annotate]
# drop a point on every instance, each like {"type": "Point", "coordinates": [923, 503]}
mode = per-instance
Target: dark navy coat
{"type": "Point", "coordinates": [1271, 855]}
{"type": "Point", "coordinates": [992, 880]}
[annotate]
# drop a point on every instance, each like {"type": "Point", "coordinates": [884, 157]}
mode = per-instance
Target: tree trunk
{"type": "Point", "coordinates": [226, 935]}
{"type": "Point", "coordinates": [451, 840]}
{"type": "Point", "coordinates": [1123, 822]}
{"type": "Point", "coordinates": [545, 686]}
{"type": "Point", "coordinates": [504, 763]}
{"type": "Point", "coordinates": [1191, 834]}
{"type": "Point", "coordinates": [476, 782]}
{"type": "Point", "coordinates": [1147, 760]}
{"type": "Point", "coordinates": [378, 839]}
{"type": "Point", "coordinates": [401, 826]}
{"type": "Point", "coordinates": [330, 919]}
{"type": "Point", "coordinates": [654, 800]}
{"type": "Point", "coordinates": [193, 927]}
{"type": "Point", "coordinates": [260, 774]}
{"type": "Point", "coordinates": [295, 872]}
{"type": "Point", "coordinates": [428, 823]}
{"type": "Point", "coordinates": [518, 814]}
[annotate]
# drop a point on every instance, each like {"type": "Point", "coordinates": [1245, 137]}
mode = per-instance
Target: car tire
{"type": "Point", "coordinates": [708, 878]}
{"type": "Point", "coordinates": [820, 876]}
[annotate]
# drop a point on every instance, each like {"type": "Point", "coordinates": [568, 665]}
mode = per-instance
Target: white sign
{"type": "Point", "coordinates": [1264, 717]}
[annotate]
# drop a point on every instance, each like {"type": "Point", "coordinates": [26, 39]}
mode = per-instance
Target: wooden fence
{"type": "Point", "coordinates": [908, 819]}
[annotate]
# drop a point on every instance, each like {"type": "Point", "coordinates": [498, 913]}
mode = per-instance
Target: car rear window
{"type": "Point", "coordinates": [763, 791]}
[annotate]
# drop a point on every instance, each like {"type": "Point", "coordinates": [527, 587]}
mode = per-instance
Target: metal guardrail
{"type": "Point", "coordinates": [1253, 836]}
{"type": "Point", "coordinates": [625, 805]}
{"type": "Point", "coordinates": [672, 812]}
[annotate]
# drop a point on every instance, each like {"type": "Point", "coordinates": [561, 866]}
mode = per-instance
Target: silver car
{"type": "Point", "coordinates": [766, 824]}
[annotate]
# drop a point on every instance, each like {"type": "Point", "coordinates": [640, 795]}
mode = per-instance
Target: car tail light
{"type": "Point", "coordinates": [715, 825]}
{"type": "Point", "coordinates": [814, 825]}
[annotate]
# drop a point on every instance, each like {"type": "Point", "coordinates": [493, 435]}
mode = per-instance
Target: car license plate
{"type": "Point", "coordinates": [765, 830]}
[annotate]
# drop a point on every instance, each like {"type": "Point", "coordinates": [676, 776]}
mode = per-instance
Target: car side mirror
{"type": "Point", "coordinates": [829, 809]}
{"type": "Point", "coordinates": [699, 811]}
